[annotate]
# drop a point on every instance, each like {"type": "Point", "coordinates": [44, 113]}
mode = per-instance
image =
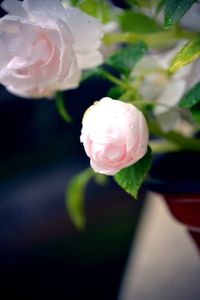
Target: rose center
{"type": "Point", "coordinates": [114, 153]}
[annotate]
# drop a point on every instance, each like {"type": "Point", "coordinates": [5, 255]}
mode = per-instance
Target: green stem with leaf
{"type": "Point", "coordinates": [187, 143]}
{"type": "Point", "coordinates": [61, 108]}
{"type": "Point", "coordinates": [154, 40]}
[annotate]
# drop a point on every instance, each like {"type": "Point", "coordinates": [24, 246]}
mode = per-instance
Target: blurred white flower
{"type": "Point", "coordinates": [110, 27]}
{"type": "Point", "coordinates": [65, 3]}
{"type": "Point", "coordinates": [158, 86]}
{"type": "Point", "coordinates": [44, 47]}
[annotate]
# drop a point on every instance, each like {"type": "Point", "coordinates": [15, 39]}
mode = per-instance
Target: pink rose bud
{"type": "Point", "coordinates": [44, 47]}
{"type": "Point", "coordinates": [114, 135]}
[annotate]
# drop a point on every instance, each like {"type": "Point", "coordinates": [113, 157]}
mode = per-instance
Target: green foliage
{"type": "Point", "coordinates": [192, 100]}
{"type": "Point", "coordinates": [94, 72]}
{"type": "Point", "coordinates": [116, 92]}
{"type": "Point", "coordinates": [195, 110]}
{"type": "Point", "coordinates": [126, 58]}
{"type": "Point", "coordinates": [159, 6]}
{"type": "Point", "coordinates": [74, 2]}
{"type": "Point", "coordinates": [137, 22]}
{"type": "Point", "coordinates": [192, 97]}
{"type": "Point", "coordinates": [60, 105]}
{"type": "Point", "coordinates": [187, 54]}
{"type": "Point", "coordinates": [131, 178]}
{"type": "Point", "coordinates": [175, 10]}
{"type": "Point", "coordinates": [75, 198]}
{"type": "Point", "coordinates": [96, 8]}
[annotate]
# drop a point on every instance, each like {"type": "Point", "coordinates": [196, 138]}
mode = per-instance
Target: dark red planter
{"type": "Point", "coordinates": [186, 209]}
{"type": "Point", "coordinates": [177, 177]}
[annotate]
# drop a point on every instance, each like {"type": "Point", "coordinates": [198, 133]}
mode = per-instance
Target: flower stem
{"type": "Point", "coordinates": [112, 78]}
{"type": "Point", "coordinates": [154, 40]}
{"type": "Point", "coordinates": [187, 143]}
{"type": "Point", "coordinates": [162, 146]}
{"type": "Point", "coordinates": [60, 105]}
{"type": "Point", "coordinates": [121, 83]}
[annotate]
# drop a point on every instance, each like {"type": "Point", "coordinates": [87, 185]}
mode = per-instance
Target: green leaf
{"type": "Point", "coordinates": [175, 10]}
{"type": "Point", "coordinates": [192, 97]}
{"type": "Point", "coordinates": [137, 22]}
{"type": "Point", "coordinates": [187, 54]}
{"type": "Point", "coordinates": [115, 92]}
{"type": "Point", "coordinates": [126, 58]}
{"type": "Point", "coordinates": [159, 6]}
{"type": "Point", "coordinates": [74, 2]}
{"type": "Point", "coordinates": [60, 105]}
{"type": "Point", "coordinates": [94, 72]}
{"type": "Point", "coordinates": [75, 198]}
{"type": "Point", "coordinates": [131, 178]}
{"type": "Point", "coordinates": [195, 110]}
{"type": "Point", "coordinates": [96, 8]}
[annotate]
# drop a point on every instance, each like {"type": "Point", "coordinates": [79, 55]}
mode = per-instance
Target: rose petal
{"type": "Point", "coordinates": [89, 60]}
{"type": "Point", "coordinates": [87, 30]}
{"type": "Point", "coordinates": [51, 7]}
{"type": "Point", "coordinates": [14, 7]}
{"type": "Point", "coordinates": [73, 77]}
{"type": "Point", "coordinates": [102, 169]}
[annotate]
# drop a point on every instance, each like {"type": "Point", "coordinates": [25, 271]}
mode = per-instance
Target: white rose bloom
{"type": "Point", "coordinates": [114, 135]}
{"type": "Point", "coordinates": [44, 47]}
{"type": "Point", "coordinates": [167, 91]}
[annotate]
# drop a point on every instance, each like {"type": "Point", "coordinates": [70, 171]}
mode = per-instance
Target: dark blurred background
{"type": "Point", "coordinates": [39, 247]}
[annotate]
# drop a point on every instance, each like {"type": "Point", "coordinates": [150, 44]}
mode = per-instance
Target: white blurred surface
{"type": "Point", "coordinates": [165, 264]}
